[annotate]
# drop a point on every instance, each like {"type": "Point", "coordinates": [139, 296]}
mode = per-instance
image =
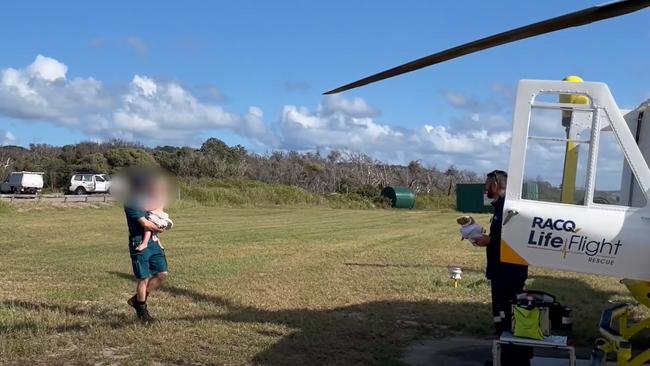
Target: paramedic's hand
{"type": "Point", "coordinates": [483, 242]}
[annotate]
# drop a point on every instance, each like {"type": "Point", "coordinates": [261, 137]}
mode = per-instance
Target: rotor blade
{"type": "Point", "coordinates": [575, 19]}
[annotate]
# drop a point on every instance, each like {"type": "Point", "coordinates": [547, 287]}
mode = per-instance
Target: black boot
{"type": "Point", "coordinates": [143, 313]}
{"type": "Point", "coordinates": [133, 301]}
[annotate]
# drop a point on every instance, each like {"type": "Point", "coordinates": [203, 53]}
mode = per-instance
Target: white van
{"type": "Point", "coordinates": [23, 182]}
{"type": "Point", "coordinates": [90, 183]}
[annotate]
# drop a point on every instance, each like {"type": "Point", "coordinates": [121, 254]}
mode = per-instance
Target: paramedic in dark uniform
{"type": "Point", "coordinates": [506, 280]}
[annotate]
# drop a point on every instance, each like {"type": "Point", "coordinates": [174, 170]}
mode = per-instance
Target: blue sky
{"type": "Point", "coordinates": [252, 72]}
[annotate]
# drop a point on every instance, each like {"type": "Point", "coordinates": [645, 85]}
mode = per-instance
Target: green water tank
{"type": "Point", "coordinates": [469, 198]}
{"type": "Point", "coordinates": [530, 191]}
{"type": "Point", "coordinates": [400, 197]}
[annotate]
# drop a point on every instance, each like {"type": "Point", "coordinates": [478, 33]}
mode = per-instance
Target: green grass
{"type": "Point", "coordinates": [248, 193]}
{"type": "Point", "coordinates": [252, 286]}
{"type": "Point", "coordinates": [5, 208]}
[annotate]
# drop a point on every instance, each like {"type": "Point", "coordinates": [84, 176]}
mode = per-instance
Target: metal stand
{"type": "Point", "coordinates": [508, 338]}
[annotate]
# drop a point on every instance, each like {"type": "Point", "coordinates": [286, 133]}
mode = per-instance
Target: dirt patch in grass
{"type": "Point", "coordinates": [457, 351]}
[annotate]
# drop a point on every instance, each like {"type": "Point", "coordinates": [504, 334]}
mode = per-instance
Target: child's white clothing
{"type": "Point", "coordinates": [472, 232]}
{"type": "Point", "coordinates": [160, 219]}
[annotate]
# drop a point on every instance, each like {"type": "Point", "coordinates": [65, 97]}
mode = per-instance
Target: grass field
{"type": "Point", "coordinates": [252, 286]}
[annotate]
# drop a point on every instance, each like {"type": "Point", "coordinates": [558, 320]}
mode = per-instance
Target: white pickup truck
{"type": "Point", "coordinates": [90, 183]}
{"type": "Point", "coordinates": [23, 182]}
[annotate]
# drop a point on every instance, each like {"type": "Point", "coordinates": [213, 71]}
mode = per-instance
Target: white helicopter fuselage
{"type": "Point", "coordinates": [578, 182]}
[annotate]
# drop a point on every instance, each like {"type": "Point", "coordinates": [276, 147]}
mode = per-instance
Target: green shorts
{"type": "Point", "coordinates": [149, 262]}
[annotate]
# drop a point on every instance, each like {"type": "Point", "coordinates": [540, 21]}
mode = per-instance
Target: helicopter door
{"type": "Point", "coordinates": [573, 162]}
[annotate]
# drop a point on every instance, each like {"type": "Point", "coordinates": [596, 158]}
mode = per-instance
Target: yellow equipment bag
{"type": "Point", "coordinates": [527, 323]}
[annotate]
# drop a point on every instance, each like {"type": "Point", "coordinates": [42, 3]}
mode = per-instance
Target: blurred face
{"type": "Point", "coordinates": [159, 188]}
{"type": "Point", "coordinates": [491, 188]}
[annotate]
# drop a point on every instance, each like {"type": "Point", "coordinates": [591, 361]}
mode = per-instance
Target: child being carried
{"type": "Point", "coordinates": [156, 214]}
{"type": "Point", "coordinates": [470, 230]}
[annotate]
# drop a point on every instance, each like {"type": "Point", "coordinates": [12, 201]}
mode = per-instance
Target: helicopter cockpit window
{"type": "Point", "coordinates": [557, 149]}
{"type": "Point", "coordinates": [615, 184]}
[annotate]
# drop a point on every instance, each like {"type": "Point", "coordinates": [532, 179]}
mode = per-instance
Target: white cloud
{"type": "Point", "coordinates": [8, 138]}
{"type": "Point", "coordinates": [339, 123]}
{"type": "Point", "coordinates": [356, 108]}
{"type": "Point", "coordinates": [149, 110]}
{"type": "Point", "coordinates": [47, 68]}
{"type": "Point", "coordinates": [162, 112]}
{"type": "Point", "coordinates": [145, 85]}
{"type": "Point", "coordinates": [42, 91]}
{"type": "Point", "coordinates": [156, 111]}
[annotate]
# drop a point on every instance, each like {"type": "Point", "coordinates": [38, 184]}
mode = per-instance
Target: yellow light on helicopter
{"type": "Point", "coordinates": [571, 156]}
{"type": "Point", "coordinates": [573, 98]}
{"type": "Point", "coordinates": [573, 79]}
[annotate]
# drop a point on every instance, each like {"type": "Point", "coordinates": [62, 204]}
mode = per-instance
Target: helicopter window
{"type": "Point", "coordinates": [557, 153]}
{"type": "Point", "coordinates": [615, 184]}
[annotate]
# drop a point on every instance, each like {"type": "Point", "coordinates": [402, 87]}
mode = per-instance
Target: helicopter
{"type": "Point", "coordinates": [584, 207]}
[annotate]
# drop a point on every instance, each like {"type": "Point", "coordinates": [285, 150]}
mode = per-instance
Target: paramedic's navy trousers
{"type": "Point", "coordinates": [504, 291]}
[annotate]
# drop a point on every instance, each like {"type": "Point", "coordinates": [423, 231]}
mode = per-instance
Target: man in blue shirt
{"type": "Point", "coordinates": [150, 264]}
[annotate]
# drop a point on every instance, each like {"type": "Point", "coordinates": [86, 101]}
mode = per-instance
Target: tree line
{"type": "Point", "coordinates": [336, 172]}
